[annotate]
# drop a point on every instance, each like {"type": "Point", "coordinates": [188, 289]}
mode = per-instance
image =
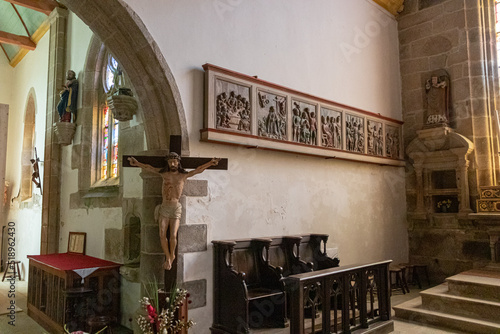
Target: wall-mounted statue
{"type": "Point", "coordinates": [69, 98]}
{"type": "Point", "coordinates": [169, 212]}
{"type": "Point", "coordinates": [437, 90]}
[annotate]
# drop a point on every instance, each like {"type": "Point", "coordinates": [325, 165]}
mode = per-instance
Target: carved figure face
{"type": "Point", "coordinates": [173, 164]}
{"type": "Point", "coordinates": [70, 75]}
{"type": "Point", "coordinates": [434, 80]}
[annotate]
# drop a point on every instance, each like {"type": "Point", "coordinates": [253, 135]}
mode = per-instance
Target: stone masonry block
{"type": "Point", "coordinates": [449, 21]}
{"type": "Point", "coordinates": [148, 209]}
{"type": "Point", "coordinates": [113, 245]}
{"type": "Point", "coordinates": [150, 235]}
{"type": "Point", "coordinates": [196, 188]}
{"type": "Point", "coordinates": [473, 17]}
{"type": "Point", "coordinates": [414, 66]}
{"type": "Point", "coordinates": [75, 156]}
{"type": "Point", "coordinates": [411, 81]}
{"type": "Point", "coordinates": [453, 6]}
{"type": "Point", "coordinates": [431, 46]}
{"type": "Point", "coordinates": [423, 4]}
{"type": "Point", "coordinates": [417, 18]}
{"type": "Point", "coordinates": [197, 293]}
{"type": "Point", "coordinates": [152, 267]}
{"type": "Point", "coordinates": [192, 238]}
{"type": "Point", "coordinates": [415, 33]}
{"type": "Point", "coordinates": [437, 62]}
{"type": "Point", "coordinates": [404, 52]}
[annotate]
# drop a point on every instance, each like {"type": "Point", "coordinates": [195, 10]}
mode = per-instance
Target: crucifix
{"type": "Point", "coordinates": [174, 176]}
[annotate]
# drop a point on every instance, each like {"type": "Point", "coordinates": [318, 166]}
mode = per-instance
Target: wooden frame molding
{"type": "Point", "coordinates": [246, 111]}
{"type": "Point", "coordinates": [43, 6]}
{"type": "Point", "coordinates": [21, 41]}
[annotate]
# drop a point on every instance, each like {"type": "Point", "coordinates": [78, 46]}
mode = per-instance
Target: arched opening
{"type": "Point", "coordinates": [28, 151]}
{"type": "Point", "coordinates": [129, 41]}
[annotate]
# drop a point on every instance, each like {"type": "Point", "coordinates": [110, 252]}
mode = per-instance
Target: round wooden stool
{"type": "Point", "coordinates": [99, 322]}
{"type": "Point", "coordinates": [12, 268]}
{"type": "Point", "coordinates": [399, 272]}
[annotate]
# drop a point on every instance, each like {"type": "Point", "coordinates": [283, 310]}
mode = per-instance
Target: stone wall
{"type": "Point", "coordinates": [455, 36]}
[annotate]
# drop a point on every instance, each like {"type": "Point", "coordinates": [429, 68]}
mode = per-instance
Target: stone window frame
{"type": "Point", "coordinates": [93, 192]}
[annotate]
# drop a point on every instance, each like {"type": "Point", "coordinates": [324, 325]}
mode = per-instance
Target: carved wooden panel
{"type": "Point", "coordinates": [243, 110]}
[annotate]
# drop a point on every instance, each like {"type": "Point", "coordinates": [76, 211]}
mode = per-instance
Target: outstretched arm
{"type": "Point", "coordinates": [133, 162]}
{"type": "Point", "coordinates": [199, 169]}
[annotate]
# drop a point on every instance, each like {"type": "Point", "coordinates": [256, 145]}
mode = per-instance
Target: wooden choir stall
{"type": "Point", "coordinates": [71, 288]}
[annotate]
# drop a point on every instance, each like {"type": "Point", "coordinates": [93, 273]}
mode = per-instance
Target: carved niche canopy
{"type": "Point", "coordinates": [243, 110]}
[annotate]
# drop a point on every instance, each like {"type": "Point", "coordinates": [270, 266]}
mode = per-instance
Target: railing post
{"type": "Point", "coordinates": [295, 290]}
{"type": "Point", "coordinates": [345, 303]}
{"type": "Point", "coordinates": [363, 313]}
{"type": "Point", "coordinates": [327, 286]}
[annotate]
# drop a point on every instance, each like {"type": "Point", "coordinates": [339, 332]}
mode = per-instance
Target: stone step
{"type": "Point", "coordinates": [486, 286]}
{"type": "Point", "coordinates": [412, 310]}
{"type": "Point", "coordinates": [439, 300]}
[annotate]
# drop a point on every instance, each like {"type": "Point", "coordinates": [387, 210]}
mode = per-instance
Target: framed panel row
{"type": "Point", "coordinates": [244, 110]}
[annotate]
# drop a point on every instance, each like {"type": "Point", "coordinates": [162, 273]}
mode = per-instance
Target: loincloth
{"type": "Point", "coordinates": [170, 211]}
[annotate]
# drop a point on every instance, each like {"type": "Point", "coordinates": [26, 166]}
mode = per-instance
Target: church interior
{"type": "Point", "coordinates": [274, 163]}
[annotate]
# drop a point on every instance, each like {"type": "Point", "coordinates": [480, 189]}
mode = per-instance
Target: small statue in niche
{"type": "Point", "coordinates": [437, 98]}
{"type": "Point", "coordinates": [69, 98]}
{"type": "Point", "coordinates": [296, 120]}
{"type": "Point", "coordinates": [327, 140]}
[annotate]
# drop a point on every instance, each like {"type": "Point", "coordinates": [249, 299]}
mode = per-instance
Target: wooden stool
{"type": "Point", "coordinates": [98, 322]}
{"type": "Point", "coordinates": [413, 270]}
{"type": "Point", "coordinates": [13, 268]}
{"type": "Point", "coordinates": [399, 272]}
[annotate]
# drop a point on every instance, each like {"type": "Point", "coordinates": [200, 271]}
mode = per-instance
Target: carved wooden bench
{"type": "Point", "coordinates": [248, 291]}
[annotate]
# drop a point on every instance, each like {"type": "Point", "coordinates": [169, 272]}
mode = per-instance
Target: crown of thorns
{"type": "Point", "coordinates": [173, 155]}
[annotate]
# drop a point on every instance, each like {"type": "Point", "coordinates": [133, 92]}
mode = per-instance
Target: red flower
{"type": "Point", "coordinates": [151, 313]}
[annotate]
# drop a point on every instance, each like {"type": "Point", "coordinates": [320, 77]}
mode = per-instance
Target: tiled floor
{"type": "Point", "coordinates": [25, 325]}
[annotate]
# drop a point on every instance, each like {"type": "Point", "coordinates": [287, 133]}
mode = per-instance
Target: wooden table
{"type": "Point", "coordinates": [52, 275]}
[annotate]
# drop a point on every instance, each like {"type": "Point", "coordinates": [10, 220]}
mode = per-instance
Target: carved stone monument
{"type": "Point", "coordinates": [437, 97]}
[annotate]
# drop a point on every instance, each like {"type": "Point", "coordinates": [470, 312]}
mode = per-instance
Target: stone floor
{"type": "Point", "coordinates": [25, 325]}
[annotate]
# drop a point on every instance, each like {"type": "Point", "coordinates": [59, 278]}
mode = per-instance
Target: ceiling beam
{"type": "Point", "coordinates": [44, 6]}
{"type": "Point", "coordinates": [22, 41]}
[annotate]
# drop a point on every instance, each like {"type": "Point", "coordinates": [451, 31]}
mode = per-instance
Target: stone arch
{"type": "Point", "coordinates": [28, 148]}
{"type": "Point", "coordinates": [124, 34]}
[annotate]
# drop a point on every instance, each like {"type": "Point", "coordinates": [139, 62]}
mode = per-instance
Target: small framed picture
{"type": "Point", "coordinates": [76, 242]}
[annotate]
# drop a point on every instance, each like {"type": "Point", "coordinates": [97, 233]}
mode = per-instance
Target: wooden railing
{"type": "Point", "coordinates": [339, 300]}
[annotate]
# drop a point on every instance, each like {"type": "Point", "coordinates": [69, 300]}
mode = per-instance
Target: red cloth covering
{"type": "Point", "coordinates": [66, 261]}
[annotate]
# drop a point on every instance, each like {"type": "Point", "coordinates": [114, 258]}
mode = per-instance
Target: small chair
{"type": "Point", "coordinates": [399, 272]}
{"type": "Point", "coordinates": [12, 268]}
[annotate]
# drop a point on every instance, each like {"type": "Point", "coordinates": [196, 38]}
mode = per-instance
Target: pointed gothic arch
{"type": "Point", "coordinates": [125, 35]}
{"type": "Point", "coordinates": [28, 148]}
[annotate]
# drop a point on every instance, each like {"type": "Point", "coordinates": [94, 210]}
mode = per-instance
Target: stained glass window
{"type": "Point", "coordinates": [109, 130]}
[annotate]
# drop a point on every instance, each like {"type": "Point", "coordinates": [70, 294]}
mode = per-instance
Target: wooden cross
{"type": "Point", "coordinates": [175, 146]}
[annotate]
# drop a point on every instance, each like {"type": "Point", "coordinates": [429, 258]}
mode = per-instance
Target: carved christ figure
{"type": "Point", "coordinates": [169, 212]}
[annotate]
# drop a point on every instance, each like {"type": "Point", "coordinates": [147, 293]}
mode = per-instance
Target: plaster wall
{"type": "Point", "coordinates": [30, 75]}
{"type": "Point", "coordinates": [346, 52]}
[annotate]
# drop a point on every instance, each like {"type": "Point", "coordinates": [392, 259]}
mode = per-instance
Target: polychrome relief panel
{"type": "Point", "coordinates": [355, 133]}
{"type": "Point", "coordinates": [233, 106]}
{"type": "Point", "coordinates": [375, 138]}
{"type": "Point", "coordinates": [304, 123]}
{"type": "Point", "coordinates": [331, 127]}
{"type": "Point", "coordinates": [271, 115]}
{"type": "Point", "coordinates": [392, 142]}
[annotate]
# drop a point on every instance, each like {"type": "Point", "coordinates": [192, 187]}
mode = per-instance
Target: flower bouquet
{"type": "Point", "coordinates": [444, 205]}
{"type": "Point", "coordinates": [164, 322]}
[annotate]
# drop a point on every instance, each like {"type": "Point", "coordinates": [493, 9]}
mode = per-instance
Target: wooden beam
{"type": "Point", "coordinates": [44, 6]}
{"type": "Point", "coordinates": [22, 41]}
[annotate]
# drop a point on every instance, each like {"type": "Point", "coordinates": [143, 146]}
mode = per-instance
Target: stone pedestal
{"type": "Point", "coordinates": [65, 132]}
{"type": "Point", "coordinates": [123, 107]}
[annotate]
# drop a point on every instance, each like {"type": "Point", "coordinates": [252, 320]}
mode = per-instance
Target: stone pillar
{"type": "Point", "coordinates": [463, 185]}
{"type": "Point", "coordinates": [152, 257]}
{"type": "Point", "coordinates": [52, 158]}
{"type": "Point", "coordinates": [420, 188]}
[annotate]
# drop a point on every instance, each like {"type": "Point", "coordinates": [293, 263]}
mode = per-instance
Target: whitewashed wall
{"type": "Point", "coordinates": [29, 75]}
{"type": "Point", "coordinates": [346, 51]}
